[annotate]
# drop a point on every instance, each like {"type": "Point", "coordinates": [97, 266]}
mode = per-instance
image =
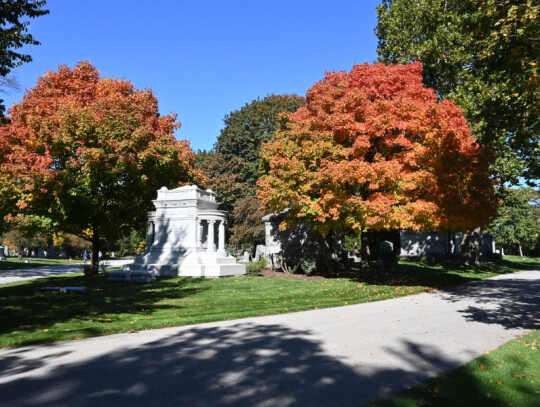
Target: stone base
{"type": "Point", "coordinates": [192, 264]}
{"type": "Point", "coordinates": [132, 276]}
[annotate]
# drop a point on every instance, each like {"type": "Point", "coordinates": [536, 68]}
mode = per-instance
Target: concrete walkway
{"type": "Point", "coordinates": [8, 276]}
{"type": "Point", "coordinates": [344, 356]}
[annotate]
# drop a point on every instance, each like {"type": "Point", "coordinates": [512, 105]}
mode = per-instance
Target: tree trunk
{"type": "Point", "coordinates": [520, 250]}
{"type": "Point", "coordinates": [471, 247]}
{"type": "Point", "coordinates": [364, 250]}
{"type": "Point", "coordinates": [96, 246]}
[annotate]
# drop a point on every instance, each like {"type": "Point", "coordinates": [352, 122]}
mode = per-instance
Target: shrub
{"type": "Point", "coordinates": [254, 268]}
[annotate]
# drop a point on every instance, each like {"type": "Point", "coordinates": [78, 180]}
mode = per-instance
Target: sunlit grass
{"type": "Point", "coordinates": [13, 263]}
{"type": "Point", "coordinates": [29, 315]}
{"type": "Point", "coordinates": [507, 376]}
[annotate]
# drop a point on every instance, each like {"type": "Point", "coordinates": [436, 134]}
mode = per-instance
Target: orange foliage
{"type": "Point", "coordinates": [84, 151]}
{"type": "Point", "coordinates": [374, 149]}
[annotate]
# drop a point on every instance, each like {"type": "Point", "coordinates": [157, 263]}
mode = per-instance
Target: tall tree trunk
{"type": "Point", "coordinates": [471, 247]}
{"type": "Point", "coordinates": [96, 247]}
{"type": "Point", "coordinates": [364, 250]}
{"type": "Point", "coordinates": [520, 250]}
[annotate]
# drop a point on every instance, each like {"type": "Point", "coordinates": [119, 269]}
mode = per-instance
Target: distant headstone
{"type": "Point", "coordinates": [2, 258]}
{"type": "Point", "coordinates": [6, 250]}
{"type": "Point", "coordinates": [27, 261]}
{"type": "Point", "coordinates": [62, 254]}
{"type": "Point", "coordinates": [260, 251]}
{"type": "Point", "coordinates": [246, 257]}
{"type": "Point", "coordinates": [386, 247]}
{"type": "Point", "coordinates": [386, 253]}
{"type": "Point", "coordinates": [50, 253]}
{"type": "Point", "coordinates": [41, 253]}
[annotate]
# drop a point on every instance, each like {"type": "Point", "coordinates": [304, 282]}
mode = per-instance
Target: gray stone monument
{"type": "Point", "coordinates": [182, 238]}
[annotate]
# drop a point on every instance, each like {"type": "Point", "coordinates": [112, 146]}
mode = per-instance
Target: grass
{"type": "Point", "coordinates": [13, 263]}
{"type": "Point", "coordinates": [507, 376]}
{"type": "Point", "coordinates": [30, 316]}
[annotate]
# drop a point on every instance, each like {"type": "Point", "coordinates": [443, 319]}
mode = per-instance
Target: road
{"type": "Point", "coordinates": [9, 276]}
{"type": "Point", "coordinates": [345, 356]}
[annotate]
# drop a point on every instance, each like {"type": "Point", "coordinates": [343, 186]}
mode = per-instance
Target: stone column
{"type": "Point", "coordinates": [198, 233]}
{"type": "Point", "coordinates": [210, 240]}
{"type": "Point", "coordinates": [150, 235]}
{"type": "Point", "coordinates": [221, 237]}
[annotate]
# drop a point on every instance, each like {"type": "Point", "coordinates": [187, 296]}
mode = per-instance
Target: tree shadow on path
{"type": "Point", "coordinates": [240, 365]}
{"type": "Point", "coordinates": [510, 302]}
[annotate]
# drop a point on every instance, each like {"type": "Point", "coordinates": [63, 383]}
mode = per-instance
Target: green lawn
{"type": "Point", "coordinates": [508, 376]}
{"type": "Point", "coordinates": [29, 316]}
{"type": "Point", "coordinates": [13, 263]}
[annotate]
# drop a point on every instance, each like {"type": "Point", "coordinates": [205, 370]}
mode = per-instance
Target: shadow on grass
{"type": "Point", "coordinates": [41, 309]}
{"type": "Point", "coordinates": [492, 385]}
{"type": "Point", "coordinates": [435, 274]}
{"type": "Point", "coordinates": [238, 365]}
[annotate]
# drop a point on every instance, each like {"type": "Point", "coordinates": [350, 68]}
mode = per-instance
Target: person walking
{"type": "Point", "coordinates": [85, 257]}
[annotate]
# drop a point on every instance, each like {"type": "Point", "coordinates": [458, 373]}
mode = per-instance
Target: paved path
{"type": "Point", "coordinates": [344, 356]}
{"type": "Point", "coordinates": [8, 276]}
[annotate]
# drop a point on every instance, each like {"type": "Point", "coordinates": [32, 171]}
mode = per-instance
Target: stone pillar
{"type": "Point", "coordinates": [151, 235]}
{"type": "Point", "coordinates": [210, 240]}
{"type": "Point", "coordinates": [221, 237]}
{"type": "Point", "coordinates": [198, 234]}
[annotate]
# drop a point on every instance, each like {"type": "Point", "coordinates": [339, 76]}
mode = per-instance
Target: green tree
{"type": "Point", "coordinates": [485, 55]}
{"type": "Point", "coordinates": [518, 220]}
{"type": "Point", "coordinates": [232, 167]}
{"type": "Point", "coordinates": [13, 35]}
{"type": "Point", "coordinates": [246, 129]}
{"type": "Point", "coordinates": [85, 155]}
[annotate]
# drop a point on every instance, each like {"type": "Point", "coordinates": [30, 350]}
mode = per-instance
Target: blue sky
{"type": "Point", "coordinates": [203, 59]}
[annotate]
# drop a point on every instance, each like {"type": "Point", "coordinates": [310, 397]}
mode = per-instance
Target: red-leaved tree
{"type": "Point", "coordinates": [85, 155]}
{"type": "Point", "coordinates": [374, 149]}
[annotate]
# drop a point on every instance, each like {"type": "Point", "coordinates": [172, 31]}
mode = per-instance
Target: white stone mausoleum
{"type": "Point", "coordinates": [186, 236]}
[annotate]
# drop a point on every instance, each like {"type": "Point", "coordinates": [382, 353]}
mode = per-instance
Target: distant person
{"type": "Point", "coordinates": [100, 256]}
{"type": "Point", "coordinates": [85, 256]}
{"type": "Point", "coordinates": [355, 250]}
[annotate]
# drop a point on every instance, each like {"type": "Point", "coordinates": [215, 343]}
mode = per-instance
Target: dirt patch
{"type": "Point", "coordinates": [279, 274]}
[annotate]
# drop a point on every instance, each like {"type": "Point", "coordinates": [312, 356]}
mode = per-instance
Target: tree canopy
{"type": "Point", "coordinates": [232, 167]}
{"type": "Point", "coordinates": [246, 129]}
{"type": "Point", "coordinates": [13, 34]}
{"type": "Point", "coordinates": [374, 149]}
{"type": "Point", "coordinates": [85, 155]}
{"type": "Point", "coordinates": [518, 219]}
{"type": "Point", "coordinates": [484, 54]}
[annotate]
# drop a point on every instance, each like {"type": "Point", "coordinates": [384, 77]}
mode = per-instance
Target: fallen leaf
{"type": "Point", "coordinates": [481, 367]}
{"type": "Point", "coordinates": [534, 375]}
{"type": "Point", "coordinates": [500, 383]}
{"type": "Point", "coordinates": [436, 390]}
{"type": "Point", "coordinates": [486, 352]}
{"type": "Point", "coordinates": [519, 375]}
{"type": "Point", "coordinates": [45, 330]}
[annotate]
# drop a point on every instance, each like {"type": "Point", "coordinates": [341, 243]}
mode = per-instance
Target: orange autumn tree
{"type": "Point", "coordinates": [85, 155]}
{"type": "Point", "coordinates": [374, 149]}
